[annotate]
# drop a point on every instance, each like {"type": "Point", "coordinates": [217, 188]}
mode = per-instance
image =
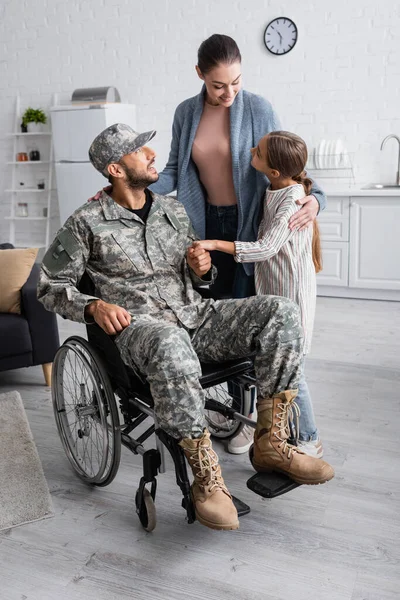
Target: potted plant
{"type": "Point", "coordinates": [33, 120]}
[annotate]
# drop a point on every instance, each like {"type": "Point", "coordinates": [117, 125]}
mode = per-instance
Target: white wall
{"type": "Point", "coordinates": [341, 80]}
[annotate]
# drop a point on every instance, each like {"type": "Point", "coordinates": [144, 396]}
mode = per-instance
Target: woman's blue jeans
{"type": "Point", "coordinates": [232, 281]}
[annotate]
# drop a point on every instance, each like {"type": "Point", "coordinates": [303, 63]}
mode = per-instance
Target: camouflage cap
{"type": "Point", "coordinates": [113, 143]}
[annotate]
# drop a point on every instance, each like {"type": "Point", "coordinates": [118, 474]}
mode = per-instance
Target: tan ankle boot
{"type": "Point", "coordinates": [213, 503]}
{"type": "Point", "coordinates": [272, 452]}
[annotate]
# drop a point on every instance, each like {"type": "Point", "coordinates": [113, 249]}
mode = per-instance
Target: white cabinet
{"type": "Point", "coordinates": [360, 246]}
{"type": "Point", "coordinates": [334, 229]}
{"type": "Point", "coordinates": [334, 220]}
{"type": "Point", "coordinates": [375, 243]}
{"type": "Point", "coordinates": [335, 261]}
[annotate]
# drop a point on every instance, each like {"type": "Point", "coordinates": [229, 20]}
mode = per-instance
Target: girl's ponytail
{"type": "Point", "coordinates": [316, 240]}
{"type": "Point", "coordinates": [316, 247]}
{"type": "Point", "coordinates": [304, 180]}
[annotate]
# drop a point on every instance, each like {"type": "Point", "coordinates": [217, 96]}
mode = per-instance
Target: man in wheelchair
{"type": "Point", "coordinates": [136, 248]}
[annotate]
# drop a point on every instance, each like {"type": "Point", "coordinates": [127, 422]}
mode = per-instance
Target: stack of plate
{"type": "Point", "coordinates": [329, 154]}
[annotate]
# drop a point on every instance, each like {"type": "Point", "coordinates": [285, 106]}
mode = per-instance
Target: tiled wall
{"type": "Point", "coordinates": [341, 80]}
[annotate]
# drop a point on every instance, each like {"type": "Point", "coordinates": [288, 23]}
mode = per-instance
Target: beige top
{"type": "Point", "coordinates": [211, 153]}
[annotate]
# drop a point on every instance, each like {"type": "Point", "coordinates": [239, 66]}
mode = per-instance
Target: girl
{"type": "Point", "coordinates": [285, 261]}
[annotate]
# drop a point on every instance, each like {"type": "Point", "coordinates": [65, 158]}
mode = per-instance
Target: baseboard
{"type": "Point", "coordinates": [362, 294]}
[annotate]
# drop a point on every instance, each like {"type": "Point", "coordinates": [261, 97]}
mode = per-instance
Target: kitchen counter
{"type": "Point", "coordinates": [357, 191]}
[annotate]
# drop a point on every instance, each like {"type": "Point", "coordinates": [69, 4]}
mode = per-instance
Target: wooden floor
{"type": "Point", "coordinates": [339, 541]}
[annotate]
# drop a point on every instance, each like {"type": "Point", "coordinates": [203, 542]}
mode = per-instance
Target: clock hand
{"type": "Point", "coordinates": [280, 41]}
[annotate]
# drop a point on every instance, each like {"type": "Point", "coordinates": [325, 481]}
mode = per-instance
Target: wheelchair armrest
{"type": "Point", "coordinates": [215, 373]}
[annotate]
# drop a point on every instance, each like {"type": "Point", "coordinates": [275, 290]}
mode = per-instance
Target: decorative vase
{"type": "Point", "coordinates": [35, 127]}
{"type": "Point", "coordinates": [34, 155]}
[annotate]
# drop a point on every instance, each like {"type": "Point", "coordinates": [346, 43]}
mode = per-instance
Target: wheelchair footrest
{"type": "Point", "coordinates": [271, 485]}
{"type": "Point", "coordinates": [241, 507]}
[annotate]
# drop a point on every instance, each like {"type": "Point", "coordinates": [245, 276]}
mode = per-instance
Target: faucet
{"type": "Point", "coordinates": [398, 162]}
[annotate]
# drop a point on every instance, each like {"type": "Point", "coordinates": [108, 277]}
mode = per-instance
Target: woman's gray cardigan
{"type": "Point", "coordinates": [251, 117]}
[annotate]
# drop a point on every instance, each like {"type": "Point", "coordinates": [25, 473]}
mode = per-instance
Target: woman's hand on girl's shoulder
{"type": "Point", "coordinates": [306, 215]}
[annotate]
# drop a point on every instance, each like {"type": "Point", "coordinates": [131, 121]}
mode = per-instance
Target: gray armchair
{"type": "Point", "coordinates": [30, 338]}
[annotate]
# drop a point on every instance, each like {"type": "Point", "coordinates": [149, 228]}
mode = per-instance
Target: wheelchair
{"type": "Point", "coordinates": [99, 402]}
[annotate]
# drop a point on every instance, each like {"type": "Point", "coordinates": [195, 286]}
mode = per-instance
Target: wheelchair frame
{"type": "Point", "coordinates": [135, 403]}
{"type": "Point", "coordinates": [111, 377]}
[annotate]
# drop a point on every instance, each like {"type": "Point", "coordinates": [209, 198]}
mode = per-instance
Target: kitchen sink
{"type": "Point", "coordinates": [382, 186]}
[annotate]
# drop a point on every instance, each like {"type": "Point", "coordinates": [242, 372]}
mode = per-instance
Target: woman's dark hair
{"type": "Point", "coordinates": [215, 50]}
{"type": "Point", "coordinates": [287, 153]}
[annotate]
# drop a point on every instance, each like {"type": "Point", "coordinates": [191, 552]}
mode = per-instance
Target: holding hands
{"type": "Point", "coordinates": [198, 258]}
{"type": "Point", "coordinates": [208, 245]}
{"type": "Point", "coordinates": [198, 255]}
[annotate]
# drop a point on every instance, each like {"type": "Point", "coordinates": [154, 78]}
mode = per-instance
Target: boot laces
{"type": "Point", "coordinates": [289, 412]}
{"type": "Point", "coordinates": [205, 467]}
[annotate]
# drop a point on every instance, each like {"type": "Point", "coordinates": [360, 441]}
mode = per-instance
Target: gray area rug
{"type": "Point", "coordinates": [24, 494]}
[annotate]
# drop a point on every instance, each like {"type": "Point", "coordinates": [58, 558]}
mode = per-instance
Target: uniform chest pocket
{"type": "Point", "coordinates": [131, 247]}
{"type": "Point", "coordinates": [174, 246]}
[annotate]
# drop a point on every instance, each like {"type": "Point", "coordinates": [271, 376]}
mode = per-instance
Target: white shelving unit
{"type": "Point", "coordinates": [27, 168]}
{"type": "Point", "coordinates": [37, 162]}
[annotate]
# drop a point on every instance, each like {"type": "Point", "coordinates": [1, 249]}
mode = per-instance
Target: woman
{"type": "Point", "coordinates": [209, 162]}
{"type": "Point", "coordinates": [209, 167]}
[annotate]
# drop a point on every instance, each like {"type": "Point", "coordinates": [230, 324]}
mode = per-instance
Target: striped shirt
{"type": "Point", "coordinates": [284, 265]}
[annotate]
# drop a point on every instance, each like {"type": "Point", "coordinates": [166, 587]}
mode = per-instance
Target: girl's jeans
{"type": "Point", "coordinates": [307, 426]}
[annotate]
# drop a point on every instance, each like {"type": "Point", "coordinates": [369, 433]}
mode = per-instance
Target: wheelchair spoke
{"type": "Point", "coordinates": [227, 394]}
{"type": "Point", "coordinates": [83, 416]}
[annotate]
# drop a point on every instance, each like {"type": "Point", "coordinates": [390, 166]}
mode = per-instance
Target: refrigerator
{"type": "Point", "coordinates": [74, 127]}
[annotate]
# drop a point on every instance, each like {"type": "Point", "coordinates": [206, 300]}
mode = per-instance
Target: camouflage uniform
{"type": "Point", "coordinates": [142, 267]}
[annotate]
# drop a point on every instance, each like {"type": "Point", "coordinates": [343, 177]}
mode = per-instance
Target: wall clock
{"type": "Point", "coordinates": [280, 35]}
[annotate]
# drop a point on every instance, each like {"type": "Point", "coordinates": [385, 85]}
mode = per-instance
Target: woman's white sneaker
{"type": "Point", "coordinates": [241, 442]}
{"type": "Point", "coordinates": [311, 448]}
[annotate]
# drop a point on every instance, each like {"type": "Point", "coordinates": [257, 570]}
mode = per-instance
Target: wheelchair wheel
{"type": "Point", "coordinates": [86, 412]}
{"type": "Point", "coordinates": [227, 394]}
{"type": "Point", "coordinates": [146, 510]}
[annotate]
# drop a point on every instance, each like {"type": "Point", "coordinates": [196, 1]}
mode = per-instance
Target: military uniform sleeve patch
{"type": "Point", "coordinates": [61, 251]}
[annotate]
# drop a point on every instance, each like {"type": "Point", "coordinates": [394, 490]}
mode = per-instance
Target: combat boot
{"type": "Point", "coordinates": [272, 452]}
{"type": "Point", "coordinates": [212, 501]}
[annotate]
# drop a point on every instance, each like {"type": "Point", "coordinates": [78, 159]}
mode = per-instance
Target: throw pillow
{"type": "Point", "coordinates": [15, 268]}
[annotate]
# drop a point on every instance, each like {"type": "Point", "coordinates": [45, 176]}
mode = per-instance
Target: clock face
{"type": "Point", "coordinates": [280, 35]}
